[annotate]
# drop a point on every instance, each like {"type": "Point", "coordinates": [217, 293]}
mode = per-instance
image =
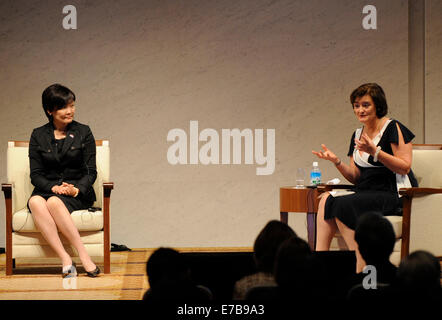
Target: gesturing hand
{"type": "Point", "coordinates": [365, 144]}
{"type": "Point", "coordinates": [326, 154]}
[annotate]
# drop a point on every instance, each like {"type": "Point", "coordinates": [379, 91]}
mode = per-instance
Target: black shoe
{"type": "Point", "coordinates": [93, 274]}
{"type": "Point", "coordinates": [71, 272]}
{"type": "Point", "coordinates": [119, 247]}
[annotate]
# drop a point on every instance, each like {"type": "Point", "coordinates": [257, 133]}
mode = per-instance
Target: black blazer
{"type": "Point", "coordinates": [75, 163]}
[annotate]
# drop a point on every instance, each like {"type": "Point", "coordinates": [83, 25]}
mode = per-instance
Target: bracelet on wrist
{"type": "Point", "coordinates": [338, 163]}
{"type": "Point", "coordinates": [376, 154]}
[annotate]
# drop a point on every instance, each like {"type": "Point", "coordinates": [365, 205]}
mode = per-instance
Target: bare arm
{"type": "Point", "coordinates": [399, 162]}
{"type": "Point", "coordinates": [403, 153]}
{"type": "Point", "coordinates": [350, 172]}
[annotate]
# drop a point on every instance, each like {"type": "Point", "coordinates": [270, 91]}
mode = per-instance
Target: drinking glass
{"type": "Point", "coordinates": [300, 178]}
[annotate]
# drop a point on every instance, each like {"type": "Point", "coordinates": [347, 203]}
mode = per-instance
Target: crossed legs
{"type": "Point", "coordinates": [326, 229]}
{"type": "Point", "coordinates": [52, 215]}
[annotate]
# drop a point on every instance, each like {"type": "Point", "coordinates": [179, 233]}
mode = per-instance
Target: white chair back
{"type": "Point", "coordinates": [425, 167]}
{"type": "Point", "coordinates": [18, 172]}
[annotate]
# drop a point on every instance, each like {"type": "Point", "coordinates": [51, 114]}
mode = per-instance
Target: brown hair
{"type": "Point", "coordinates": [376, 93]}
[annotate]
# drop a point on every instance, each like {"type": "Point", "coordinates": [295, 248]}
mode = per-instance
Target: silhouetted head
{"type": "Point", "coordinates": [419, 274]}
{"type": "Point", "coordinates": [375, 237]}
{"type": "Point", "coordinates": [267, 244]}
{"type": "Point", "coordinates": [292, 262]}
{"type": "Point", "coordinates": [166, 265]}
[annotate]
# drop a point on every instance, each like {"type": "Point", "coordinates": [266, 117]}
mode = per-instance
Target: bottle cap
{"type": "Point", "coordinates": [315, 164]}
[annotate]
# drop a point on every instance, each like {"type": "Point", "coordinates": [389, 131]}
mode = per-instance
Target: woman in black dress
{"type": "Point", "coordinates": [380, 163]}
{"type": "Point", "coordinates": [63, 170]}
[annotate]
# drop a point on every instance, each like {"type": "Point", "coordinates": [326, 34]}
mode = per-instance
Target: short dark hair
{"type": "Point", "coordinates": [56, 97]}
{"type": "Point", "coordinates": [375, 237]}
{"type": "Point", "coordinates": [376, 93]}
{"type": "Point", "coordinates": [267, 243]}
{"type": "Point", "coordinates": [166, 264]}
{"type": "Point", "coordinates": [419, 273]}
{"type": "Point", "coordinates": [292, 262]}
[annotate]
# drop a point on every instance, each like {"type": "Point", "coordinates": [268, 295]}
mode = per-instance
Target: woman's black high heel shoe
{"type": "Point", "coordinates": [94, 273]}
{"type": "Point", "coordinates": [71, 272]}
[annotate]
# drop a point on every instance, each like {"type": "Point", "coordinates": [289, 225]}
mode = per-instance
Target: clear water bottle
{"type": "Point", "coordinates": [315, 175]}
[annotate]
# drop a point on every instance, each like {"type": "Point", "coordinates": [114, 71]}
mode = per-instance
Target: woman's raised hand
{"type": "Point", "coordinates": [365, 144]}
{"type": "Point", "coordinates": [326, 154]}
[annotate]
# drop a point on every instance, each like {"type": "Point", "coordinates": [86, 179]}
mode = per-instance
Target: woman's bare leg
{"type": "Point", "coordinates": [325, 229]}
{"type": "Point", "coordinates": [46, 224]}
{"type": "Point", "coordinates": [349, 237]}
{"type": "Point", "coordinates": [66, 225]}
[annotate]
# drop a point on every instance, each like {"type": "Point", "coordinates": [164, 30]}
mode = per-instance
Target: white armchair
{"type": "Point", "coordinates": [422, 210]}
{"type": "Point", "coordinates": [23, 240]}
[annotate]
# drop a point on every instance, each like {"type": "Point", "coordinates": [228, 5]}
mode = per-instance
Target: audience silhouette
{"type": "Point", "coordinates": [169, 278]}
{"type": "Point", "coordinates": [292, 269]}
{"type": "Point", "coordinates": [287, 270]}
{"type": "Point", "coordinates": [375, 237]}
{"type": "Point", "coordinates": [419, 278]}
{"type": "Point", "coordinates": [265, 248]}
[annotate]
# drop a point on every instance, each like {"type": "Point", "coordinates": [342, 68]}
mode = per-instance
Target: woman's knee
{"type": "Point", "coordinates": [54, 202]}
{"type": "Point", "coordinates": [323, 198]}
{"type": "Point", "coordinates": [56, 205]}
{"type": "Point", "coordinates": [321, 204]}
{"type": "Point", "coordinates": [36, 202]}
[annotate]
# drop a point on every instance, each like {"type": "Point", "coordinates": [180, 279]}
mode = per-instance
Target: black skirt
{"type": "Point", "coordinates": [350, 207]}
{"type": "Point", "coordinates": [71, 203]}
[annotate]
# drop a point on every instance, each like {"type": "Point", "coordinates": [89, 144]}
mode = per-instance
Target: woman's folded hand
{"type": "Point", "coordinates": [58, 190]}
{"type": "Point", "coordinates": [65, 189]}
{"type": "Point", "coordinates": [70, 189]}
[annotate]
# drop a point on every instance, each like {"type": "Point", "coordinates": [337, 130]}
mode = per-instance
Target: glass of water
{"type": "Point", "coordinates": [300, 178]}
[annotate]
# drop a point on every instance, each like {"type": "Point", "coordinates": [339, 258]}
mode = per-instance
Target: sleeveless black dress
{"type": "Point", "coordinates": [377, 187]}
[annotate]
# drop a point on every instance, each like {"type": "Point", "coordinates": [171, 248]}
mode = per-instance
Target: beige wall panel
{"type": "Point", "coordinates": [433, 72]}
{"type": "Point", "coordinates": [142, 68]}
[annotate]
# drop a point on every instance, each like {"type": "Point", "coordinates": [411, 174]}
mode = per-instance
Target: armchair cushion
{"type": "Point", "coordinates": [36, 238]}
{"type": "Point", "coordinates": [396, 221]}
{"type": "Point", "coordinates": [84, 220]}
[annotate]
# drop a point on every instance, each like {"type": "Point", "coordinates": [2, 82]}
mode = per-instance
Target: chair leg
{"type": "Point", "coordinates": [107, 188]}
{"type": "Point", "coordinates": [284, 217]}
{"type": "Point", "coordinates": [106, 260]}
{"type": "Point", "coordinates": [10, 263]}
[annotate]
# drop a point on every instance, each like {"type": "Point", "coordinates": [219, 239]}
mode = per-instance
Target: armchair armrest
{"type": "Point", "coordinates": [408, 194]}
{"type": "Point", "coordinates": [411, 192]}
{"type": "Point", "coordinates": [107, 189]}
{"type": "Point", "coordinates": [329, 187]}
{"type": "Point", "coordinates": [7, 189]}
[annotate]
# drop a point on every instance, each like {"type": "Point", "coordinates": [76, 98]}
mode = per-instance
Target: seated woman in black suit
{"type": "Point", "coordinates": [63, 170]}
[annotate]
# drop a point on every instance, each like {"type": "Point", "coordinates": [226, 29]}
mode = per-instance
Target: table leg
{"type": "Point", "coordinates": [311, 229]}
{"type": "Point", "coordinates": [284, 217]}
